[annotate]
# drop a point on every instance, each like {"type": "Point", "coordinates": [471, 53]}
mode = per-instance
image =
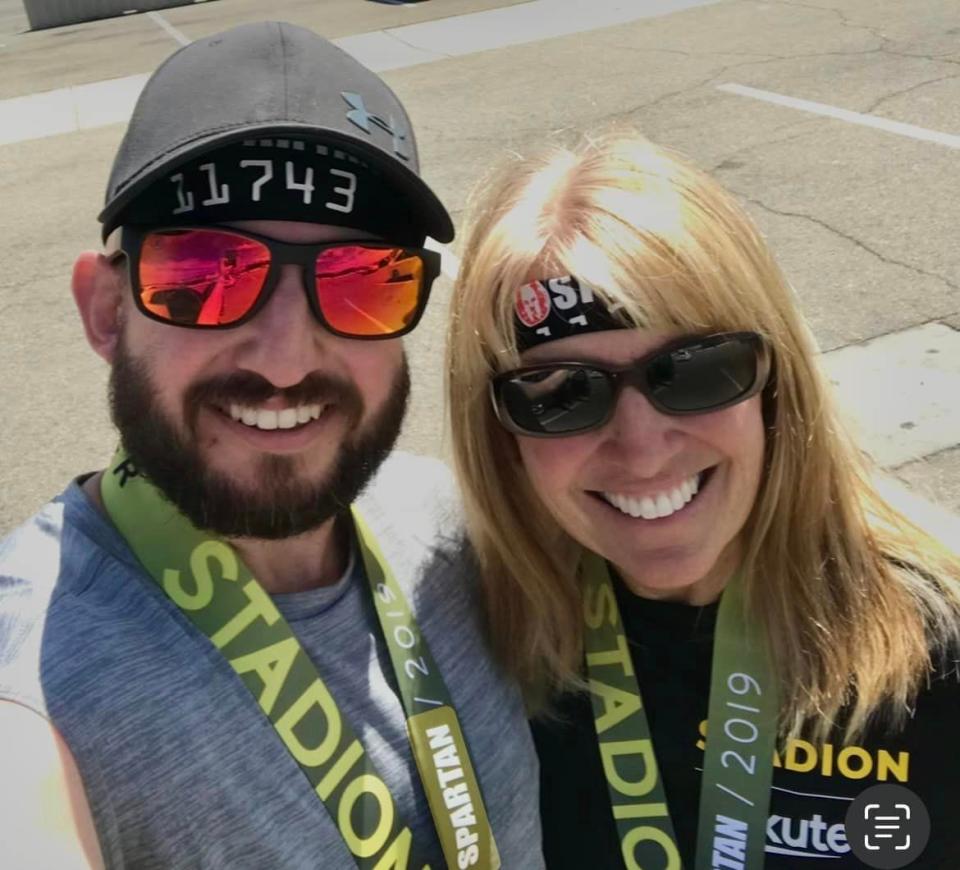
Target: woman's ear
{"type": "Point", "coordinates": [98, 293]}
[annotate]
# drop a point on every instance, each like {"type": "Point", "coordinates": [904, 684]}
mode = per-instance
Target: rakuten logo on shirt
{"type": "Point", "coordinates": [807, 838]}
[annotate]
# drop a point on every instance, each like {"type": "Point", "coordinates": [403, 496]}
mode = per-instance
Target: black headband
{"type": "Point", "coordinates": [554, 308]}
{"type": "Point", "coordinates": [277, 179]}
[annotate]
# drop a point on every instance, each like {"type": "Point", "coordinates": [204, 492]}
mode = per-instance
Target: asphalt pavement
{"type": "Point", "coordinates": [836, 123]}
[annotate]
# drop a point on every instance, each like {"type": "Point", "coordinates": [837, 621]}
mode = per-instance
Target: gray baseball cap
{"type": "Point", "coordinates": [268, 79]}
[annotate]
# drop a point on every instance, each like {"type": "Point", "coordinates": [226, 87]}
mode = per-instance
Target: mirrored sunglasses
{"type": "Point", "coordinates": [218, 278]}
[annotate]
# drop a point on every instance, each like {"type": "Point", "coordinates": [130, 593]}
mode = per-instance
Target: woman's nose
{"type": "Point", "coordinates": [642, 434]}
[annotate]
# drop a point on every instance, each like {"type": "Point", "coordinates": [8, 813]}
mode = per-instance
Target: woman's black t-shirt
{"type": "Point", "coordinates": [671, 646]}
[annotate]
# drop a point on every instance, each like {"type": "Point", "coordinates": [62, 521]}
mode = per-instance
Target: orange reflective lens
{"type": "Point", "coordinates": [215, 277]}
{"type": "Point", "coordinates": [201, 277]}
{"type": "Point", "coordinates": [368, 291]}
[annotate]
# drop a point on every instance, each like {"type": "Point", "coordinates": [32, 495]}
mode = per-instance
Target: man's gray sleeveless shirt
{"type": "Point", "coordinates": [180, 767]}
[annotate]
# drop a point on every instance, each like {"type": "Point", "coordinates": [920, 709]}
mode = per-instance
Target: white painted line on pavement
{"type": "Point", "coordinates": [380, 51]}
{"type": "Point", "coordinates": [511, 25]}
{"type": "Point", "coordinates": [109, 102]}
{"type": "Point", "coordinates": [924, 135]}
{"type": "Point", "coordinates": [67, 110]}
{"type": "Point", "coordinates": [49, 113]}
{"type": "Point", "coordinates": [166, 25]}
{"type": "Point", "coordinates": [37, 116]}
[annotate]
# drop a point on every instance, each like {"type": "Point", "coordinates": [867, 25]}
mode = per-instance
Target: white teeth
{"type": "Point", "coordinates": [288, 418]}
{"type": "Point", "coordinates": [266, 419]}
{"type": "Point", "coordinates": [662, 504]}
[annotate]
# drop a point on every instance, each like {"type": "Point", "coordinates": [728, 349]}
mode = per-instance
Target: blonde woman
{"type": "Point", "coordinates": [727, 636]}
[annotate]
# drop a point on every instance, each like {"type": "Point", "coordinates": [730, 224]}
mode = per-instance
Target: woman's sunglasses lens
{"type": "Point", "coordinates": [702, 376]}
{"type": "Point", "coordinates": [557, 401]}
{"type": "Point", "coordinates": [367, 291]}
{"type": "Point", "coordinates": [201, 277]}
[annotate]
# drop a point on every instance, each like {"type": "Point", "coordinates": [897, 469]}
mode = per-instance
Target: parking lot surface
{"type": "Point", "coordinates": [836, 123]}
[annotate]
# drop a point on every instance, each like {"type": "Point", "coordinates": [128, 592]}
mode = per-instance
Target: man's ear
{"type": "Point", "coordinates": [98, 292]}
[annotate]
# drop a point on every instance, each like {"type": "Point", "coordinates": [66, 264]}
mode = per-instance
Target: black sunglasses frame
{"type": "Point", "coordinates": [634, 375]}
{"type": "Point", "coordinates": [127, 241]}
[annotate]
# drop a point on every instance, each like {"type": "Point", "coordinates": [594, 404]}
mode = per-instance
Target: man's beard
{"type": "Point", "coordinates": [279, 504]}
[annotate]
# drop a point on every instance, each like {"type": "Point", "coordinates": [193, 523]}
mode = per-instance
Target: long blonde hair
{"type": "Point", "coordinates": [856, 601]}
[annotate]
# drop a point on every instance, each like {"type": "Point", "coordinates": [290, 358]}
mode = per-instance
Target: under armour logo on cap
{"type": "Point", "coordinates": [359, 115]}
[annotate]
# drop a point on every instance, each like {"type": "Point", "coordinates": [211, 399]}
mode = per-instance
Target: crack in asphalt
{"type": "Point", "coordinates": [879, 102]}
{"type": "Point", "coordinates": [933, 58]}
{"type": "Point", "coordinates": [409, 44]}
{"type": "Point", "coordinates": [815, 54]}
{"type": "Point", "coordinates": [893, 330]}
{"type": "Point", "coordinates": [846, 22]}
{"type": "Point", "coordinates": [760, 60]}
{"type": "Point", "coordinates": [689, 88]}
{"type": "Point", "coordinates": [643, 49]}
{"type": "Point", "coordinates": [923, 460]}
{"type": "Point", "coordinates": [724, 70]}
{"type": "Point", "coordinates": [640, 107]}
{"type": "Point", "coordinates": [775, 58]}
{"type": "Point", "coordinates": [764, 60]}
{"type": "Point", "coordinates": [746, 149]}
{"type": "Point", "coordinates": [853, 240]}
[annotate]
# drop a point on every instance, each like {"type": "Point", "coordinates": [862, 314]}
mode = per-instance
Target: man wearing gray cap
{"type": "Point", "coordinates": [250, 641]}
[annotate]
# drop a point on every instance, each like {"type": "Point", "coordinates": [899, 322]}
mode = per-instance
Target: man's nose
{"type": "Point", "coordinates": [642, 435]}
{"type": "Point", "coordinates": [285, 341]}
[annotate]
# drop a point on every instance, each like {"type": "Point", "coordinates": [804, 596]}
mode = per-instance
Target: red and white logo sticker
{"type": "Point", "coordinates": [533, 304]}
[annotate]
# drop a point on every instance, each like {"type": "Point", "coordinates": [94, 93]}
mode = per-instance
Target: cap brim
{"type": "Point", "coordinates": [425, 205]}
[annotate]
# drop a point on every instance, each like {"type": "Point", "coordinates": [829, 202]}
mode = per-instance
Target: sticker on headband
{"type": "Point", "coordinates": [533, 304]}
{"type": "Point", "coordinates": [553, 308]}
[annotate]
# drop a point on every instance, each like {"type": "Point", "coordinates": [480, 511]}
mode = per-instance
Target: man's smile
{"type": "Point", "coordinates": [288, 429]}
{"type": "Point", "coordinates": [269, 418]}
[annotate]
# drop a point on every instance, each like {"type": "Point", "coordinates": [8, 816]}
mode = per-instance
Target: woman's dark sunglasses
{"type": "Point", "coordinates": [218, 278]}
{"type": "Point", "coordinates": [693, 375]}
